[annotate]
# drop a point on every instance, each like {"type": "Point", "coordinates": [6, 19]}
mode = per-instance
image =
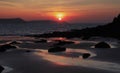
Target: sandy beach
{"type": "Point", "coordinates": [71, 61]}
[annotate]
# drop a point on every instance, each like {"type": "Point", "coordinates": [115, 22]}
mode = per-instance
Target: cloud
{"type": "Point", "coordinates": [5, 3]}
{"type": "Point", "coordinates": [35, 3]}
{"type": "Point", "coordinates": [14, 1]}
{"type": "Point", "coordinates": [69, 4]}
{"type": "Point", "coordinates": [59, 5]}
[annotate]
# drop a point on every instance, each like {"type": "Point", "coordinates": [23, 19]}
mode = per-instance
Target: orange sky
{"type": "Point", "coordinates": [74, 10]}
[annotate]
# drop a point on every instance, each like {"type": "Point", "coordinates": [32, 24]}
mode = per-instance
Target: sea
{"type": "Point", "coordinates": [38, 28]}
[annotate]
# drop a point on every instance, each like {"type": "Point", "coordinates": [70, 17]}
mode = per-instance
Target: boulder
{"type": "Point", "coordinates": [57, 49]}
{"type": "Point", "coordinates": [102, 45]}
{"type": "Point", "coordinates": [1, 69]}
{"type": "Point", "coordinates": [2, 50]}
{"type": "Point", "coordinates": [28, 50]}
{"type": "Point", "coordinates": [86, 55]}
{"type": "Point", "coordinates": [64, 42]}
{"type": "Point", "coordinates": [4, 47]}
{"type": "Point", "coordinates": [15, 42]}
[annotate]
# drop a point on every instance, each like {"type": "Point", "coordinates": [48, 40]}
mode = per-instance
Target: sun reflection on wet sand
{"type": "Point", "coordinates": [73, 61]}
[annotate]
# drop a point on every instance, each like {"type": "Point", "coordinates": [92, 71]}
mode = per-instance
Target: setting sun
{"type": "Point", "coordinates": [59, 16]}
{"type": "Point", "coordinates": [59, 19]}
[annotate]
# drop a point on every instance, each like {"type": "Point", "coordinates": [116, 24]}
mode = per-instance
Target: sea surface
{"type": "Point", "coordinates": [38, 28]}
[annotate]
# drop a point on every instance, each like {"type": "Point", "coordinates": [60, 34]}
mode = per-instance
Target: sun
{"type": "Point", "coordinates": [59, 16]}
{"type": "Point", "coordinates": [59, 19]}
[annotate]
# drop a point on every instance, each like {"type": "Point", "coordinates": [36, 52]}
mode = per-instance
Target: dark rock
{"type": "Point", "coordinates": [15, 42]}
{"type": "Point", "coordinates": [8, 46]}
{"type": "Point", "coordinates": [85, 55]}
{"type": "Point", "coordinates": [1, 68]}
{"type": "Point", "coordinates": [116, 19]}
{"type": "Point", "coordinates": [41, 41]}
{"type": "Point", "coordinates": [102, 45]}
{"type": "Point", "coordinates": [28, 51]}
{"type": "Point", "coordinates": [4, 47]}
{"type": "Point", "coordinates": [57, 49]}
{"type": "Point", "coordinates": [64, 42]}
{"type": "Point", "coordinates": [3, 50]}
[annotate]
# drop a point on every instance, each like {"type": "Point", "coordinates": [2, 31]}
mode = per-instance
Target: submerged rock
{"type": "Point", "coordinates": [102, 45]}
{"type": "Point", "coordinates": [86, 55]}
{"type": "Point", "coordinates": [57, 49]}
{"type": "Point", "coordinates": [1, 69]}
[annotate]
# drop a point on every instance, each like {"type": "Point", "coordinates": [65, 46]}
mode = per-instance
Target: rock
{"type": "Point", "coordinates": [102, 45]}
{"type": "Point", "coordinates": [85, 55]}
{"type": "Point", "coordinates": [8, 46]}
{"type": "Point", "coordinates": [15, 42]}
{"type": "Point", "coordinates": [4, 47]}
{"type": "Point", "coordinates": [57, 49]}
{"type": "Point", "coordinates": [28, 51]}
{"type": "Point", "coordinates": [3, 50]}
{"type": "Point", "coordinates": [64, 42]}
{"type": "Point", "coordinates": [1, 69]}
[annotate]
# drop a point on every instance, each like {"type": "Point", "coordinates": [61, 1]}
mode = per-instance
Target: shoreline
{"type": "Point", "coordinates": [39, 60]}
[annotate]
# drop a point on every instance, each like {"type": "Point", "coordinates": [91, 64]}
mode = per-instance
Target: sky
{"type": "Point", "coordinates": [74, 11]}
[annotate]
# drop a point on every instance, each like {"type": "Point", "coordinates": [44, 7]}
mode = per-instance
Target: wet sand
{"type": "Point", "coordinates": [23, 62]}
{"type": "Point", "coordinates": [39, 60]}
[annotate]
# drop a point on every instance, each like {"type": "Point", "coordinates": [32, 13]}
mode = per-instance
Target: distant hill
{"type": "Point", "coordinates": [47, 22]}
{"type": "Point", "coordinates": [109, 30]}
{"type": "Point", "coordinates": [12, 20]}
{"type": "Point", "coordinates": [19, 20]}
